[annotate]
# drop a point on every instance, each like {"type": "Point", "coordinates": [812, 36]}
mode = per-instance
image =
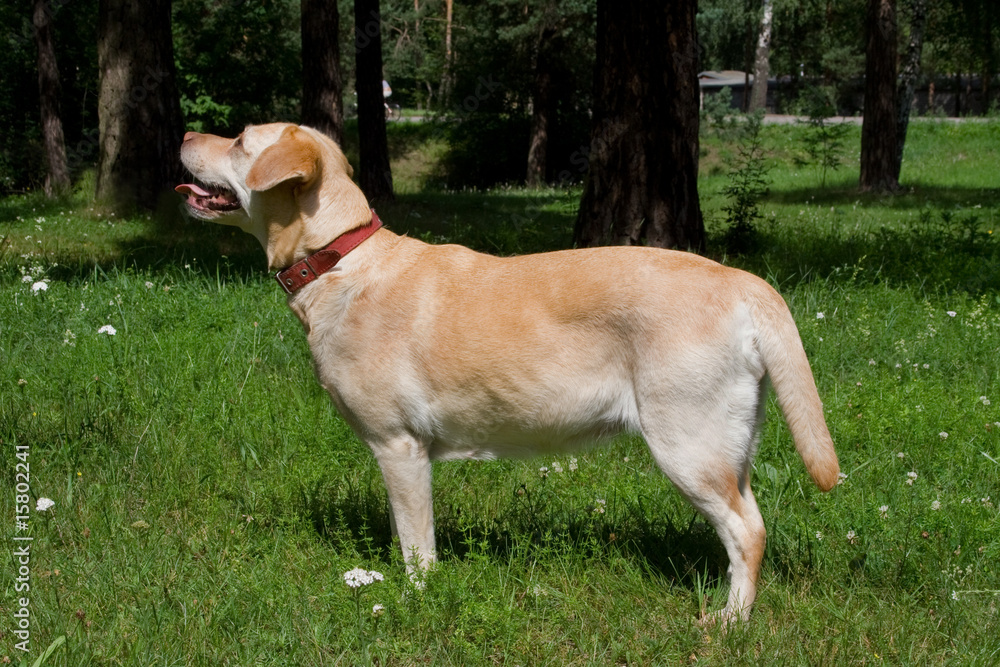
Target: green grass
{"type": "Point", "coordinates": [209, 499]}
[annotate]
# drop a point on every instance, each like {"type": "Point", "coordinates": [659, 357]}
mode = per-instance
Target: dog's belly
{"type": "Point", "coordinates": [556, 422]}
{"type": "Point", "coordinates": [509, 443]}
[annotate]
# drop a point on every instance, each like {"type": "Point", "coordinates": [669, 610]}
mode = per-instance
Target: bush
{"type": "Point", "coordinates": [485, 150]}
{"type": "Point", "coordinates": [824, 141]}
{"type": "Point", "coordinates": [747, 185]}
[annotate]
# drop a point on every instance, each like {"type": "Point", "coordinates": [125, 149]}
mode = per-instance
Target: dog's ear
{"type": "Point", "coordinates": [293, 157]}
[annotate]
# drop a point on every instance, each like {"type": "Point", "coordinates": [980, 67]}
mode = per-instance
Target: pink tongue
{"type": "Point", "coordinates": [192, 189]}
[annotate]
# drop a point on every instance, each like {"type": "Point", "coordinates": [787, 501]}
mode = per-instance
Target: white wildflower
{"type": "Point", "coordinates": [377, 610]}
{"type": "Point", "coordinates": [852, 537]}
{"type": "Point", "coordinates": [883, 511]}
{"type": "Point", "coordinates": [820, 316]}
{"type": "Point", "coordinates": [359, 577]}
{"type": "Point", "coordinates": [819, 536]}
{"type": "Point", "coordinates": [44, 504]}
{"type": "Point", "coordinates": [912, 477]}
{"type": "Point", "coordinates": [40, 286]}
{"type": "Point", "coordinates": [900, 455]}
{"type": "Point", "coordinates": [951, 313]}
{"type": "Point", "coordinates": [556, 467]}
{"type": "Point", "coordinates": [149, 285]}
{"type": "Point", "coordinates": [572, 464]}
{"type": "Point", "coordinates": [984, 400]}
{"type": "Point", "coordinates": [936, 505]}
{"type": "Point", "coordinates": [944, 435]}
{"type": "Point", "coordinates": [107, 329]}
{"type": "Point", "coordinates": [543, 471]}
{"type": "Point", "coordinates": [840, 478]}
{"type": "Point", "coordinates": [599, 505]}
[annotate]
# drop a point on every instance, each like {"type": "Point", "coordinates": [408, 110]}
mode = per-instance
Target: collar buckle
{"type": "Point", "coordinates": [302, 273]}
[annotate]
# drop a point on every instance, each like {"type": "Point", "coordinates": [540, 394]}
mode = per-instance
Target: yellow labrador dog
{"type": "Point", "coordinates": [438, 352]}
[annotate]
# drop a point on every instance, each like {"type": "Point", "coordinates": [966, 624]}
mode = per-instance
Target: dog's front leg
{"type": "Point", "coordinates": [406, 469]}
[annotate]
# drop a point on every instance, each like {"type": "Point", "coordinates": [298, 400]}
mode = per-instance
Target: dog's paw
{"type": "Point", "coordinates": [721, 619]}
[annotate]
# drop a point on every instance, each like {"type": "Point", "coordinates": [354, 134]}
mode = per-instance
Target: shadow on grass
{"type": "Point", "coordinates": [914, 195]}
{"type": "Point", "coordinates": [501, 224]}
{"type": "Point", "coordinates": [213, 251]}
{"type": "Point", "coordinates": [934, 256]}
{"type": "Point", "coordinates": [32, 206]}
{"type": "Point", "coordinates": [215, 248]}
{"type": "Point", "coordinates": [497, 222]}
{"type": "Point", "coordinates": [949, 246]}
{"type": "Point", "coordinates": [684, 550]}
{"type": "Point", "coordinates": [79, 240]}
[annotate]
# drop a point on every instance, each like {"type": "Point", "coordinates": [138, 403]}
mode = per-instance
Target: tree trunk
{"type": "Point", "coordinates": [879, 152]}
{"type": "Point", "coordinates": [758, 100]}
{"type": "Point", "coordinates": [747, 65]}
{"type": "Point", "coordinates": [444, 94]}
{"type": "Point", "coordinates": [989, 56]}
{"type": "Point", "coordinates": [908, 80]}
{"type": "Point", "coordinates": [374, 174]}
{"type": "Point", "coordinates": [958, 95]}
{"type": "Point", "coordinates": [322, 100]}
{"type": "Point", "coordinates": [642, 183]}
{"type": "Point", "coordinates": [49, 93]}
{"type": "Point", "coordinates": [138, 105]}
{"type": "Point", "coordinates": [541, 110]}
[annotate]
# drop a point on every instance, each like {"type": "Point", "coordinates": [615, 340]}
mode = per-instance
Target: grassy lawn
{"type": "Point", "coordinates": [208, 499]}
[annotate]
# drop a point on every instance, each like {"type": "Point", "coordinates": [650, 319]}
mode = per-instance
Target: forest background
{"type": "Point", "coordinates": [240, 62]}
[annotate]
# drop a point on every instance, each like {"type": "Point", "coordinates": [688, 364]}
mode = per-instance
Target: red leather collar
{"type": "Point", "coordinates": [302, 273]}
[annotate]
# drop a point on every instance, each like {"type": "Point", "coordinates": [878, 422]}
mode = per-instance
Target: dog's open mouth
{"type": "Point", "coordinates": [215, 198]}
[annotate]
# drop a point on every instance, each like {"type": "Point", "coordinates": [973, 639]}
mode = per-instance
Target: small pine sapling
{"type": "Point", "coordinates": [748, 184]}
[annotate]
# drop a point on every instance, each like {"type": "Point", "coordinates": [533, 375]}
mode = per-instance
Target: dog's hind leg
{"type": "Point", "coordinates": [724, 497]}
{"type": "Point", "coordinates": [406, 469]}
{"type": "Point", "coordinates": [706, 452]}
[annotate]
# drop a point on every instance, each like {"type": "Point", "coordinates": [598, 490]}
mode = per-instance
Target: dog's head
{"type": "Point", "coordinates": [289, 186]}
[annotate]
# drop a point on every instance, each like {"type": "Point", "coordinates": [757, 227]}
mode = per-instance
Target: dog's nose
{"type": "Point", "coordinates": [190, 135]}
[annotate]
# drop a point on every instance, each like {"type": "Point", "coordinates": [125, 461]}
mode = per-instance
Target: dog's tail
{"type": "Point", "coordinates": [785, 359]}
